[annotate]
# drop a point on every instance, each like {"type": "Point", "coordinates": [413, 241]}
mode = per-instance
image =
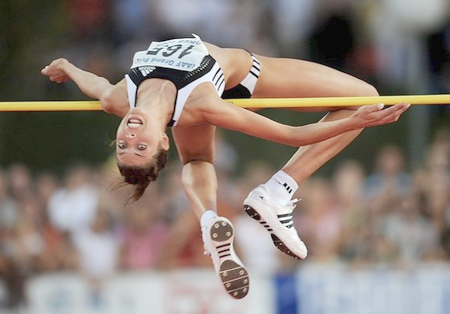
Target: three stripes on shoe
{"type": "Point", "coordinates": [285, 219]}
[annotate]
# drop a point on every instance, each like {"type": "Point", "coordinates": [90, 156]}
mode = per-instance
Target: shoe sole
{"type": "Point", "coordinates": [234, 276]}
{"type": "Point", "coordinates": [276, 240]}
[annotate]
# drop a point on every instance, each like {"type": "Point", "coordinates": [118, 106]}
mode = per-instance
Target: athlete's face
{"type": "Point", "coordinates": [138, 138]}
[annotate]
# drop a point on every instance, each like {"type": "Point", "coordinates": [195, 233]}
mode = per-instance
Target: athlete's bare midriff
{"type": "Point", "coordinates": [235, 63]}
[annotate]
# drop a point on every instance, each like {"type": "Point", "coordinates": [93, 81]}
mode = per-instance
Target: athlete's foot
{"type": "Point", "coordinates": [277, 220]}
{"type": "Point", "coordinates": [218, 237]}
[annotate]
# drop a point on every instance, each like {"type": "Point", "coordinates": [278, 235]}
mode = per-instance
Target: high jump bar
{"type": "Point", "coordinates": [443, 99]}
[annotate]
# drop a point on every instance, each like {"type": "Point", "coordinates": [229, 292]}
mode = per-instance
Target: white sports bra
{"type": "Point", "coordinates": [185, 62]}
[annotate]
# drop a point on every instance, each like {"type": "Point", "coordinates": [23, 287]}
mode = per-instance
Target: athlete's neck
{"type": "Point", "coordinates": [157, 97]}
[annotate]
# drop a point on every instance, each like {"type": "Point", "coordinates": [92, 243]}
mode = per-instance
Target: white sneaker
{"type": "Point", "coordinates": [277, 220]}
{"type": "Point", "coordinates": [218, 237]}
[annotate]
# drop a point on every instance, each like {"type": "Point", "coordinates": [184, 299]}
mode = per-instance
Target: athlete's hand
{"type": "Point", "coordinates": [373, 115]}
{"type": "Point", "coordinates": [57, 71]}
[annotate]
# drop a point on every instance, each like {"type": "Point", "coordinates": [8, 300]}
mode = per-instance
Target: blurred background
{"type": "Point", "coordinates": [376, 218]}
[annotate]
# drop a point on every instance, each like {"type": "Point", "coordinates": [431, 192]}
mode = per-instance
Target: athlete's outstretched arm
{"type": "Point", "coordinates": [234, 118]}
{"type": "Point", "coordinates": [113, 97]}
{"type": "Point", "coordinates": [62, 71]}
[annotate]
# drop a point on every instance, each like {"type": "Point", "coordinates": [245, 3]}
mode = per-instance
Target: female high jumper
{"type": "Point", "coordinates": [182, 83]}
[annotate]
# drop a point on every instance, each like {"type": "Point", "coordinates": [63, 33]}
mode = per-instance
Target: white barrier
{"type": "Point", "coordinates": [328, 289]}
{"type": "Point", "coordinates": [181, 292]}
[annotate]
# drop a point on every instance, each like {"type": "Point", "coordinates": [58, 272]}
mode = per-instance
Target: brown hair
{"type": "Point", "coordinates": [142, 176]}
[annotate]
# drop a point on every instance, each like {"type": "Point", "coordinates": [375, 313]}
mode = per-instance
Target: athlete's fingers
{"type": "Point", "coordinates": [61, 79]}
{"type": "Point", "coordinates": [393, 113]}
{"type": "Point", "coordinates": [401, 108]}
{"type": "Point", "coordinates": [44, 70]}
{"type": "Point", "coordinates": [397, 109]}
{"type": "Point", "coordinates": [392, 110]}
{"type": "Point", "coordinates": [372, 115]}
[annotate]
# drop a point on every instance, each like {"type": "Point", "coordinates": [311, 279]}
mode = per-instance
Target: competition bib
{"type": "Point", "coordinates": [183, 54]}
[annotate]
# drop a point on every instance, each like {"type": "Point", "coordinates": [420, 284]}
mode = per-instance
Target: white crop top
{"type": "Point", "coordinates": [185, 62]}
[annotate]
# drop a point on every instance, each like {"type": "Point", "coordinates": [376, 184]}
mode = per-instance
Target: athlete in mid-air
{"type": "Point", "coordinates": [182, 83]}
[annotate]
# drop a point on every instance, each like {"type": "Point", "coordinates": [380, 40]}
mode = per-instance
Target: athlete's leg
{"type": "Point", "coordinates": [308, 159]}
{"type": "Point", "coordinates": [270, 203]}
{"type": "Point", "coordinates": [280, 77]}
{"type": "Point", "coordinates": [298, 78]}
{"type": "Point", "coordinates": [196, 149]}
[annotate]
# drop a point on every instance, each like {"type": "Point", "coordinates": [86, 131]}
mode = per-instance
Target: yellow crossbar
{"type": "Point", "coordinates": [16, 106]}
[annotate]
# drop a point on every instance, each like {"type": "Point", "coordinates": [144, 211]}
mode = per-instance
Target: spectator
{"type": "Point", "coordinates": [72, 207]}
{"type": "Point", "coordinates": [58, 253]}
{"type": "Point", "coordinates": [438, 48]}
{"type": "Point", "coordinates": [333, 41]}
{"type": "Point", "coordinates": [20, 180]}
{"type": "Point", "coordinates": [320, 222]}
{"type": "Point", "coordinates": [23, 248]}
{"type": "Point", "coordinates": [98, 249]}
{"type": "Point", "coordinates": [89, 19]}
{"type": "Point", "coordinates": [143, 238]}
{"type": "Point", "coordinates": [390, 179]}
{"type": "Point", "coordinates": [46, 185]}
{"type": "Point", "coordinates": [437, 198]}
{"type": "Point", "coordinates": [415, 238]}
{"type": "Point", "coordinates": [8, 206]}
{"type": "Point", "coordinates": [184, 246]}
{"type": "Point", "coordinates": [348, 183]}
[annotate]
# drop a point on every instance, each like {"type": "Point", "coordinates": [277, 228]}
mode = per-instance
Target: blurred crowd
{"type": "Point", "coordinates": [390, 215]}
{"type": "Point", "coordinates": [83, 222]}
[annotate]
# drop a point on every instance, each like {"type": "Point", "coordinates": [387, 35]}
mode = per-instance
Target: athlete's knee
{"type": "Point", "coordinates": [370, 91]}
{"type": "Point", "coordinates": [366, 90]}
